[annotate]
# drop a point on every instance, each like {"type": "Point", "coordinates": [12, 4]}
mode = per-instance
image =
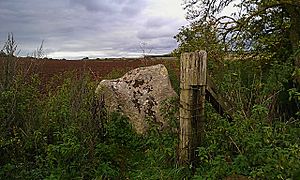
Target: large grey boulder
{"type": "Point", "coordinates": [139, 95]}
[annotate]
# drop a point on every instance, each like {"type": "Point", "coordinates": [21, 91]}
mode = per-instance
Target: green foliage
{"type": "Point", "coordinates": [250, 147]}
{"type": "Point", "coordinates": [262, 140]}
{"type": "Point", "coordinates": [266, 27]}
{"type": "Point", "coordinates": [249, 83]}
{"type": "Point", "coordinates": [200, 36]}
{"type": "Point", "coordinates": [64, 132]}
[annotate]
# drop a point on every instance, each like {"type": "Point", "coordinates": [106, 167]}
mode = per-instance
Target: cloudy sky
{"type": "Point", "coordinates": [74, 29]}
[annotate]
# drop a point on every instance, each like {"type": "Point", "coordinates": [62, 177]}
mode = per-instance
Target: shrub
{"type": "Point", "coordinates": [250, 147]}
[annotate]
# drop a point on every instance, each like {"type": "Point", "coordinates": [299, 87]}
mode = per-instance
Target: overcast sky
{"type": "Point", "coordinates": [74, 29]}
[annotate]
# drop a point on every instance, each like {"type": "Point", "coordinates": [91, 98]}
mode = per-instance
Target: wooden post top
{"type": "Point", "coordinates": [193, 69]}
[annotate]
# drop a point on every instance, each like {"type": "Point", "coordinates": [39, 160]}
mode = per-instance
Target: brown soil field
{"type": "Point", "coordinates": [99, 69]}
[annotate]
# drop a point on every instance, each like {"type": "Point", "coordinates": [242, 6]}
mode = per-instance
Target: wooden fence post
{"type": "Point", "coordinates": [192, 97]}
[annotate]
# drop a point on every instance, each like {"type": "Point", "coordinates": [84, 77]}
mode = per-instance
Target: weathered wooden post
{"type": "Point", "coordinates": [192, 97]}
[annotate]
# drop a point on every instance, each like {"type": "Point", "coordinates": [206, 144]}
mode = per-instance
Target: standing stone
{"type": "Point", "coordinates": [139, 95]}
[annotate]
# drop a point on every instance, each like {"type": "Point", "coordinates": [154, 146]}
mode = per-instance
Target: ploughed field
{"type": "Point", "coordinates": [99, 69]}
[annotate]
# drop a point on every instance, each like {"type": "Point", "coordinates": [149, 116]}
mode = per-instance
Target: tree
{"type": "Point", "coordinates": [269, 29]}
{"type": "Point", "coordinates": [267, 32]}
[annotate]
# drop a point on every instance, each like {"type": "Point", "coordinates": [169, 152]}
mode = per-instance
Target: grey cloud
{"type": "Point", "coordinates": [157, 22]}
{"type": "Point", "coordinates": [84, 25]}
{"type": "Point", "coordinates": [112, 7]}
{"type": "Point", "coordinates": [94, 5]}
{"type": "Point", "coordinates": [156, 27]}
{"type": "Point", "coordinates": [147, 34]}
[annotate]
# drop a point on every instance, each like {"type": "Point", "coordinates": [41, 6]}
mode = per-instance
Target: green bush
{"type": "Point", "coordinates": [64, 132]}
{"type": "Point", "coordinates": [250, 147]}
{"type": "Point", "coordinates": [261, 142]}
{"type": "Point", "coordinates": [61, 130]}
